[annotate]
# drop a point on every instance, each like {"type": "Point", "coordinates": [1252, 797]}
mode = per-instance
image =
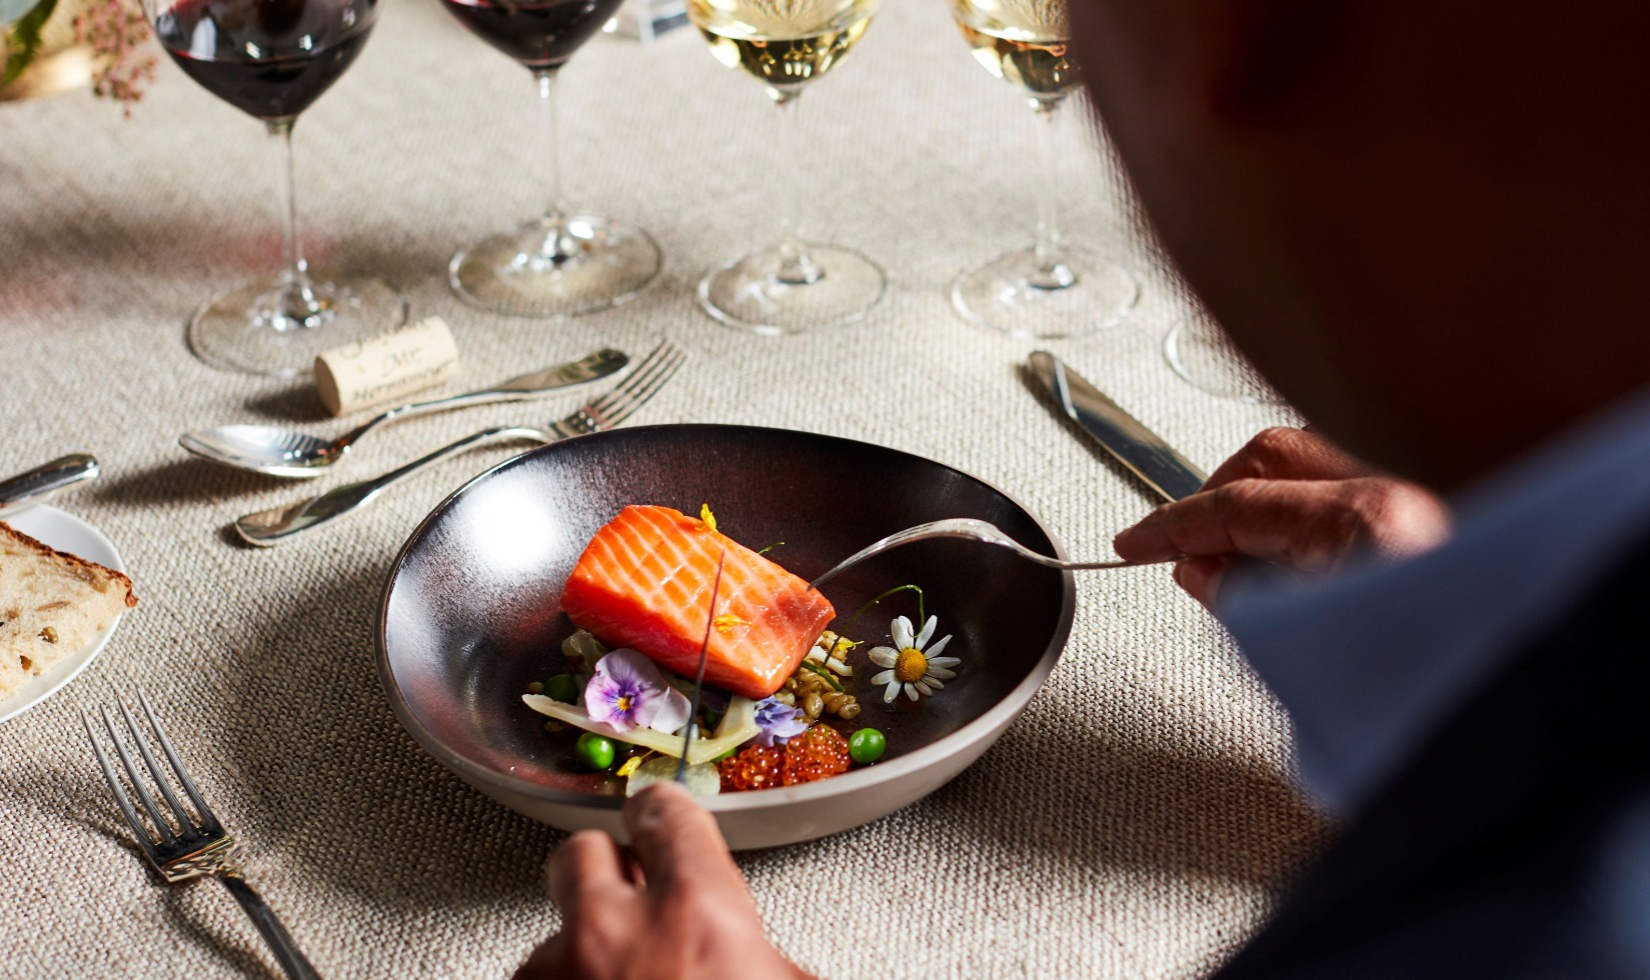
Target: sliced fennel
{"type": "Point", "coordinates": [738, 727]}
{"type": "Point", "coordinates": [701, 779]}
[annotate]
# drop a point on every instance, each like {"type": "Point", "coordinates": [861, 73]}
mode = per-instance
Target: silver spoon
{"type": "Point", "coordinates": [974, 530]}
{"type": "Point", "coordinates": [285, 452]}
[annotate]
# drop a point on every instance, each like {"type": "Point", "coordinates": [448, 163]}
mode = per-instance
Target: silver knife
{"type": "Point", "coordinates": [1140, 449]}
{"type": "Point", "coordinates": [34, 487]}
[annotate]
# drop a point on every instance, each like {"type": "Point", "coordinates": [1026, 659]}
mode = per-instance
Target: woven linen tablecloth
{"type": "Point", "coordinates": [1138, 820]}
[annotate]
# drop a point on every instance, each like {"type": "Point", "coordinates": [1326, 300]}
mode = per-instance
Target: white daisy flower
{"type": "Point", "coordinates": [910, 667]}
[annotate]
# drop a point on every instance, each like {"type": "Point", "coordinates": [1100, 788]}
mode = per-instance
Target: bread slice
{"type": "Point", "coordinates": [51, 605]}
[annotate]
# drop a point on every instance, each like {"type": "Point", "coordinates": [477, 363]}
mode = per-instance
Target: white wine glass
{"type": "Point", "coordinates": [272, 59]}
{"type": "Point", "coordinates": [1052, 289]}
{"type": "Point", "coordinates": [564, 262]}
{"type": "Point", "coordinates": [795, 285]}
{"type": "Point", "coordinates": [1205, 358]}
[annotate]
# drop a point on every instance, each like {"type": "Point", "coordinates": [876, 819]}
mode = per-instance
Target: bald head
{"type": "Point", "coordinates": [1427, 221]}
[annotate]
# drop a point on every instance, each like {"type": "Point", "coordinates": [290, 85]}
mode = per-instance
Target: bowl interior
{"type": "Point", "coordinates": [471, 613]}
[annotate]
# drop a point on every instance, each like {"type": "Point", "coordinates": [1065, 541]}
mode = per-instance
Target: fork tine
{"type": "Point", "coordinates": [137, 784]}
{"type": "Point", "coordinates": [115, 787]}
{"type": "Point", "coordinates": [165, 785]}
{"type": "Point", "coordinates": [619, 412]}
{"type": "Point", "coordinates": [658, 373]}
{"type": "Point", "coordinates": [644, 372]}
{"type": "Point", "coordinates": [205, 811]}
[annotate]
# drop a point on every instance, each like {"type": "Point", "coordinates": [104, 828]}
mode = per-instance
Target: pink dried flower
{"type": "Point", "coordinates": [116, 32]}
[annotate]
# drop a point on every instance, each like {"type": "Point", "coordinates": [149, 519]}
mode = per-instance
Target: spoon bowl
{"type": "Point", "coordinates": [265, 448]}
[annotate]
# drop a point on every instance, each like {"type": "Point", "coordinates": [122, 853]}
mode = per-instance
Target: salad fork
{"type": "Point", "coordinates": [186, 846]}
{"type": "Point", "coordinates": [268, 528]}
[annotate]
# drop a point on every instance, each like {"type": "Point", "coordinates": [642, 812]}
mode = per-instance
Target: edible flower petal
{"type": "Point", "coordinates": [911, 668]}
{"type": "Point", "coordinates": [628, 692]}
{"type": "Point", "coordinates": [778, 722]}
{"type": "Point", "coordinates": [901, 629]}
{"type": "Point", "coordinates": [706, 517]}
{"type": "Point", "coordinates": [727, 621]}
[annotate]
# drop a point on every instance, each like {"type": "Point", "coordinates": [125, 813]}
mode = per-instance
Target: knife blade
{"type": "Point", "coordinates": [34, 487]}
{"type": "Point", "coordinates": [1138, 448]}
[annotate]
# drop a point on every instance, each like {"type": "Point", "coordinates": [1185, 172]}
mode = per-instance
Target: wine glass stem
{"type": "Point", "coordinates": [296, 305]}
{"type": "Point", "coordinates": [557, 245]}
{"type": "Point", "coordinates": [1051, 269]}
{"type": "Point", "coordinates": [795, 267]}
{"type": "Point", "coordinates": [550, 152]}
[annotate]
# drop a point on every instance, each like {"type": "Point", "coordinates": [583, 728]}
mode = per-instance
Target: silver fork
{"type": "Point", "coordinates": [268, 528]}
{"type": "Point", "coordinates": [972, 530]}
{"type": "Point", "coordinates": [191, 845]}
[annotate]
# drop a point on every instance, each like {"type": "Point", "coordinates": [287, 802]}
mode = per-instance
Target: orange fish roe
{"type": "Point", "coordinates": [818, 753]}
{"type": "Point", "coordinates": [757, 767]}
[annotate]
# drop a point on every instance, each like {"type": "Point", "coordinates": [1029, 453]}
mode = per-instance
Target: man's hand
{"type": "Point", "coordinates": [1292, 498]}
{"type": "Point", "coordinates": [676, 906]}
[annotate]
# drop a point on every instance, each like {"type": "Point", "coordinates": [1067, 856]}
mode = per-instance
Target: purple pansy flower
{"type": "Point", "coordinates": [778, 722]}
{"type": "Point", "coordinates": [628, 692]}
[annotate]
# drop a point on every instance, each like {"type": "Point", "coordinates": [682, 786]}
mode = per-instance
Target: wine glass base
{"type": "Point", "coordinates": [245, 329]}
{"type": "Point", "coordinates": [556, 267]}
{"type": "Point", "coordinates": [1013, 295]}
{"type": "Point", "coordinates": [750, 294]}
{"type": "Point", "coordinates": [1205, 358]}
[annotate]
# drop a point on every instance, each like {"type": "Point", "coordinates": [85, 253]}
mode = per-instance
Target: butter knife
{"type": "Point", "coordinates": [1138, 448]}
{"type": "Point", "coordinates": [34, 487]}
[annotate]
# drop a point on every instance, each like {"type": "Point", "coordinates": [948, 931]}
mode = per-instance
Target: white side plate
{"type": "Point", "coordinates": [65, 532]}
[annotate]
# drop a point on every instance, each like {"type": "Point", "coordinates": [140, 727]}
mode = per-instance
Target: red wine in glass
{"type": "Point", "coordinates": [541, 36]}
{"type": "Point", "coordinates": [561, 263]}
{"type": "Point", "coordinates": [271, 58]}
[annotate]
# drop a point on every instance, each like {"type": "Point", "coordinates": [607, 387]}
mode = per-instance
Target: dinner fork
{"type": "Point", "coordinates": [271, 527]}
{"type": "Point", "coordinates": [973, 530]}
{"type": "Point", "coordinates": [188, 846]}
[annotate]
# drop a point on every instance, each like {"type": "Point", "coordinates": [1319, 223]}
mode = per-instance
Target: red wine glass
{"type": "Point", "coordinates": [564, 262]}
{"type": "Point", "coordinates": [272, 59]}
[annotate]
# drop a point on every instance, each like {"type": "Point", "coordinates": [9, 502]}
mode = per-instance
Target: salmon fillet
{"type": "Point", "coordinates": [644, 582]}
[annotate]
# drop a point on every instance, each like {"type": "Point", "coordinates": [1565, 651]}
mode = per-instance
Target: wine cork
{"type": "Point", "coordinates": [387, 367]}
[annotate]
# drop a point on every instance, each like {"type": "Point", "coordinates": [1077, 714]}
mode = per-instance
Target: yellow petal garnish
{"type": "Point", "coordinates": [630, 765]}
{"type": "Point", "coordinates": [706, 517]}
{"type": "Point", "coordinates": [727, 621]}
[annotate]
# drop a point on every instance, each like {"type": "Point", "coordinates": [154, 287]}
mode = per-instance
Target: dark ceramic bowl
{"type": "Point", "coordinates": [471, 612]}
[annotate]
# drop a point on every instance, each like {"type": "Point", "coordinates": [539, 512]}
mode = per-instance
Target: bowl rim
{"type": "Point", "coordinates": [992, 720]}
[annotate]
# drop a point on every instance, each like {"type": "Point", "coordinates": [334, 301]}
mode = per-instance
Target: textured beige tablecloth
{"type": "Point", "coordinates": [1139, 820]}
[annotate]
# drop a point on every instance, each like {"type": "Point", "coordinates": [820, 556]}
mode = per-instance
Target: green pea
{"type": "Point", "coordinates": [595, 751]}
{"type": "Point", "coordinates": [563, 688]}
{"type": "Point", "coordinates": [866, 746]}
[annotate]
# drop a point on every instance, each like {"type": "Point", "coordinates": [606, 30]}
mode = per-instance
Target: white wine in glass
{"type": "Point", "coordinates": [795, 285]}
{"type": "Point", "coordinates": [1050, 290]}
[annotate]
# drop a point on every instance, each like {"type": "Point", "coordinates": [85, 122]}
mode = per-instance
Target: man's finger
{"type": "Point", "coordinates": [674, 837]}
{"type": "Point", "coordinates": [1282, 453]}
{"type": "Point", "coordinates": [1303, 524]}
{"type": "Point", "coordinates": [586, 866]}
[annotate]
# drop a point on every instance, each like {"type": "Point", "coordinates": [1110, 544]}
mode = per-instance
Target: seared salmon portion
{"type": "Point", "coordinates": [645, 581]}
